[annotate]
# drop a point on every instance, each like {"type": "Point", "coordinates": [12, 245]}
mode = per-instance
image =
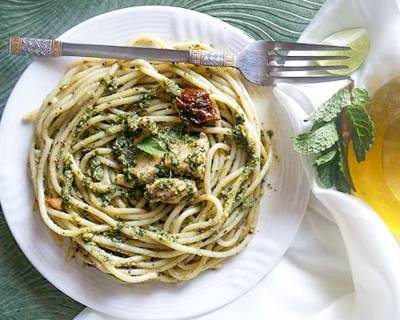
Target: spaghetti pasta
{"type": "Point", "coordinates": [143, 192]}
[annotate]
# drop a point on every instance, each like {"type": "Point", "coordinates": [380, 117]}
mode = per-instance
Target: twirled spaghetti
{"type": "Point", "coordinates": [142, 191]}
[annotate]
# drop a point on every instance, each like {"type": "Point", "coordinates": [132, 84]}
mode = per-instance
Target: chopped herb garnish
{"type": "Point", "coordinates": [152, 146]}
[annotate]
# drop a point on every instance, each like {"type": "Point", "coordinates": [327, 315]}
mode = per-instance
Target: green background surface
{"type": "Point", "coordinates": [24, 293]}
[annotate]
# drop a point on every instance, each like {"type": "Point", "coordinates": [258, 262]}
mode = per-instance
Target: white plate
{"type": "Point", "coordinates": [281, 212]}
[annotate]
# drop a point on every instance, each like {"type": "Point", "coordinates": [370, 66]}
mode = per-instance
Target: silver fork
{"type": "Point", "coordinates": [258, 62]}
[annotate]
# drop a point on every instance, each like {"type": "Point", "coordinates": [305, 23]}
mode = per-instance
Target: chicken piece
{"type": "Point", "coordinates": [55, 203]}
{"type": "Point", "coordinates": [145, 169]}
{"type": "Point", "coordinates": [194, 105]}
{"type": "Point", "coordinates": [121, 181]}
{"type": "Point", "coordinates": [187, 155]}
{"type": "Point", "coordinates": [171, 190]}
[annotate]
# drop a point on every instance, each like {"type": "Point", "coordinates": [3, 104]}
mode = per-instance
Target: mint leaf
{"type": "Point", "coordinates": [362, 128]}
{"type": "Point", "coordinates": [325, 175]}
{"type": "Point", "coordinates": [343, 179]}
{"type": "Point", "coordinates": [316, 141]}
{"type": "Point", "coordinates": [326, 157]}
{"type": "Point", "coordinates": [331, 108]}
{"type": "Point", "coordinates": [152, 146]}
{"type": "Point", "coordinates": [360, 96]}
{"type": "Point", "coordinates": [326, 165]}
{"type": "Point", "coordinates": [332, 169]}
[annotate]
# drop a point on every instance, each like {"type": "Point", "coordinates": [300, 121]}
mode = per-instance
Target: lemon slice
{"type": "Point", "coordinates": [357, 39]}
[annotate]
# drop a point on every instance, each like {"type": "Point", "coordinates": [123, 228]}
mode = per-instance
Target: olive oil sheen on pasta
{"type": "Point", "coordinates": [377, 179]}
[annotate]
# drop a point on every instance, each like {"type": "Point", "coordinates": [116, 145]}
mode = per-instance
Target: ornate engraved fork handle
{"type": "Point", "coordinates": [212, 58]}
{"type": "Point", "coordinates": [35, 47]}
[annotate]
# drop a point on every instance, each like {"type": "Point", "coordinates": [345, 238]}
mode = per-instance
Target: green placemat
{"type": "Point", "coordinates": [24, 293]}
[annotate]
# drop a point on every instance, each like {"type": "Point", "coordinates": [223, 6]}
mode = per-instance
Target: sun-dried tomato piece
{"type": "Point", "coordinates": [196, 106]}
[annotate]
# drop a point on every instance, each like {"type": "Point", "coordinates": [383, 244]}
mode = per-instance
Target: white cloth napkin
{"type": "Point", "coordinates": [344, 263]}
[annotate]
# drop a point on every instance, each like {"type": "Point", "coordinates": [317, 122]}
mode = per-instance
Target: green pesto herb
{"type": "Point", "coordinates": [136, 125]}
{"type": "Point", "coordinates": [240, 134]}
{"type": "Point", "coordinates": [227, 192]}
{"type": "Point", "coordinates": [104, 199]}
{"type": "Point", "coordinates": [132, 121]}
{"type": "Point", "coordinates": [124, 151]}
{"type": "Point", "coordinates": [86, 181]}
{"type": "Point", "coordinates": [145, 100]}
{"type": "Point", "coordinates": [149, 126]}
{"type": "Point", "coordinates": [95, 171]}
{"type": "Point", "coordinates": [114, 234]}
{"type": "Point", "coordinates": [66, 183]}
{"type": "Point", "coordinates": [340, 118]}
{"type": "Point", "coordinates": [248, 202]}
{"type": "Point", "coordinates": [161, 234]}
{"type": "Point", "coordinates": [176, 134]}
{"type": "Point", "coordinates": [111, 85]}
{"type": "Point", "coordinates": [195, 160]}
{"type": "Point", "coordinates": [174, 160]}
{"type": "Point", "coordinates": [171, 87]}
{"type": "Point", "coordinates": [83, 120]}
{"type": "Point", "coordinates": [190, 192]}
{"type": "Point", "coordinates": [140, 232]}
{"type": "Point", "coordinates": [248, 169]}
{"type": "Point", "coordinates": [136, 193]}
{"type": "Point", "coordinates": [251, 164]}
{"type": "Point", "coordinates": [87, 237]}
{"type": "Point", "coordinates": [239, 118]}
{"type": "Point", "coordinates": [163, 171]}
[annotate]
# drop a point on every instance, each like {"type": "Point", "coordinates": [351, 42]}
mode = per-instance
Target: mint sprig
{"type": "Point", "coordinates": [341, 118]}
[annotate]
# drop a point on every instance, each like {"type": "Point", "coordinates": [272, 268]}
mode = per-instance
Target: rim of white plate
{"type": "Point", "coordinates": [143, 298]}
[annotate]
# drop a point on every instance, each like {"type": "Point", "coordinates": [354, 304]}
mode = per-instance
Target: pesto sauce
{"type": "Point", "coordinates": [110, 84]}
{"type": "Point", "coordinates": [145, 100]}
{"type": "Point", "coordinates": [162, 235]}
{"type": "Point", "coordinates": [66, 183]}
{"type": "Point", "coordinates": [124, 151]}
{"type": "Point", "coordinates": [240, 134]}
{"type": "Point", "coordinates": [95, 171]}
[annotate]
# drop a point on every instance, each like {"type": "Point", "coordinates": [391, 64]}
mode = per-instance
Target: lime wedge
{"type": "Point", "coordinates": [357, 39]}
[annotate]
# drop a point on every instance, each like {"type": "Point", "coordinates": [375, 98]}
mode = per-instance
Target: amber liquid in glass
{"type": "Point", "coordinates": [377, 179]}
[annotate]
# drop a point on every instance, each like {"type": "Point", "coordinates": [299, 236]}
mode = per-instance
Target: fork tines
{"type": "Point", "coordinates": [297, 46]}
{"type": "Point", "coordinates": [275, 58]}
{"type": "Point", "coordinates": [305, 58]}
{"type": "Point", "coordinates": [307, 79]}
